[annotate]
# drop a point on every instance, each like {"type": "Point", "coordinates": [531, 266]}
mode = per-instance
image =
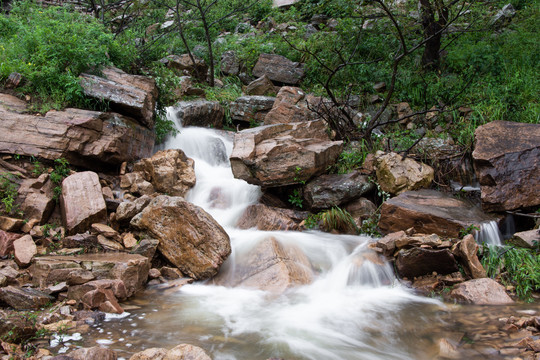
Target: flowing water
{"type": "Point", "coordinates": [354, 309]}
{"type": "Point", "coordinates": [489, 234]}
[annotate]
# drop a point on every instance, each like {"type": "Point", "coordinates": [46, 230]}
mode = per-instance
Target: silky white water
{"type": "Point", "coordinates": [489, 234]}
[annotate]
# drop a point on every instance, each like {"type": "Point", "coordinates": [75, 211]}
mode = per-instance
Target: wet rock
{"type": "Point", "coordinates": [85, 138]}
{"type": "Point", "coordinates": [131, 95]}
{"type": "Point", "coordinates": [150, 354]}
{"type": "Point", "coordinates": [6, 242]}
{"type": "Point", "coordinates": [429, 212]}
{"type": "Point", "coordinates": [361, 209]}
{"type": "Point", "coordinates": [484, 291]}
{"type": "Point", "coordinates": [251, 108]}
{"type": "Point", "coordinates": [186, 66]}
{"type": "Point", "coordinates": [146, 248]}
{"type": "Point", "coordinates": [467, 250]}
{"type": "Point", "coordinates": [396, 174]}
{"type": "Point", "coordinates": [388, 243]}
{"type": "Point", "coordinates": [109, 245]}
{"type": "Point", "coordinates": [279, 69]}
{"type": "Point", "coordinates": [268, 218]}
{"type": "Point", "coordinates": [327, 191]}
{"type": "Point", "coordinates": [271, 155]}
{"type": "Point", "coordinates": [82, 202]}
{"type": "Point", "coordinates": [93, 353]}
{"type": "Point", "coordinates": [130, 268]}
{"type": "Point", "coordinates": [128, 209]}
{"type": "Point", "coordinates": [527, 239]}
{"type": "Point", "coordinates": [292, 104]}
{"type": "Point", "coordinates": [188, 236]}
{"type": "Point", "coordinates": [261, 86]}
{"type": "Point", "coordinates": [37, 198]}
{"type": "Point", "coordinates": [105, 230]}
{"type": "Point", "coordinates": [79, 277]}
{"type": "Point", "coordinates": [421, 261]}
{"type": "Point", "coordinates": [170, 171]}
{"type": "Point", "coordinates": [230, 64]}
{"type": "Point", "coordinates": [201, 113]}
{"type": "Point", "coordinates": [24, 298]}
{"type": "Point", "coordinates": [170, 273]}
{"type": "Point", "coordinates": [269, 266]}
{"type": "Point", "coordinates": [186, 351]}
{"type": "Point", "coordinates": [187, 88]}
{"type": "Point", "coordinates": [24, 250]}
{"type": "Point", "coordinates": [507, 163]}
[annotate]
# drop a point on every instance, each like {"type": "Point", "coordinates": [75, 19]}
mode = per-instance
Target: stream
{"type": "Point", "coordinates": [354, 309]}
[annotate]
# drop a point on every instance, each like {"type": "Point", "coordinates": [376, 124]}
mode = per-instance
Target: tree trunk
{"type": "Point", "coordinates": [432, 31]}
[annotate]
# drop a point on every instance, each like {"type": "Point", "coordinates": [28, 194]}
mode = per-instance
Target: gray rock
{"type": "Point", "coordinates": [280, 69]}
{"type": "Point", "coordinates": [327, 191]}
{"type": "Point", "coordinates": [24, 298]}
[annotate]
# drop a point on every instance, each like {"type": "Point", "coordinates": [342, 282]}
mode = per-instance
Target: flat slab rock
{"type": "Point", "coordinates": [429, 212]}
{"type": "Point", "coordinates": [484, 291]}
{"type": "Point", "coordinates": [132, 269]}
{"type": "Point", "coordinates": [507, 163]}
{"type": "Point", "coordinates": [24, 298]}
{"type": "Point", "coordinates": [89, 139]}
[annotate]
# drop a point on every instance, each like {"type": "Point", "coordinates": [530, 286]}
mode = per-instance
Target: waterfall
{"type": "Point", "coordinates": [349, 310]}
{"type": "Point", "coordinates": [489, 234]}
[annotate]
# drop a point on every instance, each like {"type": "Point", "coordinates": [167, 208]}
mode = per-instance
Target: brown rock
{"type": "Point", "coordinates": [396, 174]}
{"type": "Point", "coordinates": [261, 86]}
{"type": "Point", "coordinates": [24, 298]}
{"type": "Point", "coordinates": [128, 209]}
{"type": "Point", "coordinates": [429, 212]}
{"type": "Point", "coordinates": [361, 209]}
{"type": "Point", "coordinates": [93, 353]}
{"type": "Point", "coordinates": [268, 218]}
{"type": "Point", "coordinates": [327, 191]}
{"type": "Point", "coordinates": [388, 243]}
{"type": "Point", "coordinates": [109, 245]}
{"type": "Point", "coordinates": [527, 239]}
{"type": "Point", "coordinates": [24, 250]}
{"type": "Point", "coordinates": [116, 288]}
{"type": "Point", "coordinates": [188, 236]}
{"type": "Point", "coordinates": [85, 138]}
{"type": "Point", "coordinates": [146, 248]}
{"type": "Point", "coordinates": [251, 108]}
{"type": "Point", "coordinates": [269, 266]}
{"type": "Point", "coordinates": [507, 163]}
{"type": "Point", "coordinates": [136, 184]}
{"type": "Point", "coordinates": [131, 269]}
{"type": "Point", "coordinates": [10, 224]}
{"type": "Point", "coordinates": [150, 354]}
{"type": "Point", "coordinates": [186, 66]}
{"type": "Point", "coordinates": [169, 171]}
{"type": "Point", "coordinates": [187, 352]}
{"type": "Point", "coordinates": [6, 242]}
{"type": "Point", "coordinates": [37, 198]}
{"type": "Point", "coordinates": [129, 240]}
{"type": "Point", "coordinates": [85, 240]}
{"type": "Point", "coordinates": [483, 291]}
{"type": "Point", "coordinates": [202, 113]}
{"type": "Point", "coordinates": [79, 277]}
{"type": "Point", "coordinates": [291, 105]}
{"type": "Point", "coordinates": [278, 68]}
{"type": "Point", "coordinates": [131, 95]}
{"type": "Point", "coordinates": [467, 250]}
{"type": "Point", "coordinates": [422, 261]}
{"type": "Point", "coordinates": [82, 202]}
{"type": "Point", "coordinates": [105, 230]}
{"type": "Point", "coordinates": [170, 273]}
{"type": "Point", "coordinates": [283, 154]}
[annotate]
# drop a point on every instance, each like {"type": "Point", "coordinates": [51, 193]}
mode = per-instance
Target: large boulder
{"type": "Point", "coordinates": [186, 65]}
{"type": "Point", "coordinates": [6, 242]}
{"type": "Point", "coordinates": [37, 198]}
{"type": "Point", "coordinates": [283, 154]}
{"type": "Point", "coordinates": [396, 174]}
{"type": "Point", "coordinates": [422, 261]}
{"type": "Point", "coordinates": [327, 191]}
{"type": "Point", "coordinates": [269, 266]}
{"type": "Point", "coordinates": [169, 171]}
{"type": "Point", "coordinates": [292, 104]}
{"type": "Point", "coordinates": [251, 108]}
{"type": "Point", "coordinates": [268, 218]}
{"type": "Point", "coordinates": [466, 251]}
{"type": "Point", "coordinates": [131, 269]}
{"type": "Point", "coordinates": [527, 239]}
{"type": "Point", "coordinates": [90, 139]}
{"type": "Point", "coordinates": [202, 113]}
{"type": "Point", "coordinates": [24, 250]}
{"type": "Point", "coordinates": [82, 202]}
{"type": "Point", "coordinates": [24, 298]}
{"type": "Point", "coordinates": [188, 236]}
{"type": "Point", "coordinates": [132, 95]}
{"type": "Point", "coordinates": [429, 212]}
{"type": "Point", "coordinates": [483, 291]}
{"type": "Point", "coordinates": [260, 86]}
{"type": "Point", "coordinates": [279, 69]}
{"type": "Point", "coordinates": [507, 163]}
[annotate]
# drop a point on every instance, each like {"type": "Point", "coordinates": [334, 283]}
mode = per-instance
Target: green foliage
{"type": "Point", "coordinates": [339, 220]}
{"type": "Point", "coordinates": [352, 157]}
{"type": "Point", "coordinates": [50, 47]}
{"type": "Point", "coordinates": [231, 90]}
{"type": "Point", "coordinates": [468, 230]}
{"type": "Point", "coordinates": [513, 266]}
{"type": "Point", "coordinates": [8, 192]}
{"type": "Point", "coordinates": [296, 198]}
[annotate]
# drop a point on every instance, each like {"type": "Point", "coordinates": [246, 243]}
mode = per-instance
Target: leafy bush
{"type": "Point", "coordinates": [51, 46]}
{"type": "Point", "coordinates": [8, 192]}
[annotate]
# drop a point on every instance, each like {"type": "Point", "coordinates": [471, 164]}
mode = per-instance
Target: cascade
{"type": "Point", "coordinates": [354, 309]}
{"type": "Point", "coordinates": [489, 234]}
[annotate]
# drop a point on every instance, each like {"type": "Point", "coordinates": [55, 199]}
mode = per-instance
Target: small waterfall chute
{"type": "Point", "coordinates": [489, 234]}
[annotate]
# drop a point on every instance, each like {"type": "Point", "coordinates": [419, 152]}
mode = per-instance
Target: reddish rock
{"type": "Point", "coordinates": [260, 86]}
{"type": "Point", "coordinates": [429, 212]}
{"type": "Point", "coordinates": [202, 113]}
{"type": "Point", "coordinates": [6, 242]}
{"type": "Point", "coordinates": [283, 154]}
{"type": "Point", "coordinates": [268, 218]}
{"type": "Point", "coordinates": [292, 104]}
{"type": "Point", "coordinates": [82, 202]}
{"type": "Point", "coordinates": [131, 95]}
{"type": "Point", "coordinates": [279, 69]}
{"type": "Point", "coordinates": [507, 163]}
{"type": "Point", "coordinates": [93, 353]}
{"type": "Point", "coordinates": [24, 250]}
{"type": "Point", "coordinates": [37, 198]}
{"type": "Point", "coordinates": [85, 138]}
{"type": "Point", "coordinates": [188, 236]}
{"type": "Point", "coordinates": [24, 298]}
{"type": "Point", "coordinates": [484, 291]}
{"type": "Point", "coordinates": [269, 266]}
{"type": "Point", "coordinates": [422, 261]}
{"type": "Point", "coordinates": [467, 250]}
